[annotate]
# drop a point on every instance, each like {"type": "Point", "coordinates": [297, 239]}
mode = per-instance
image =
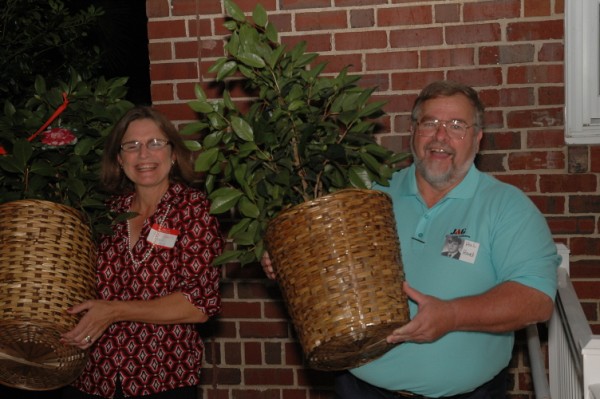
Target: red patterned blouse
{"type": "Point", "coordinates": [150, 358]}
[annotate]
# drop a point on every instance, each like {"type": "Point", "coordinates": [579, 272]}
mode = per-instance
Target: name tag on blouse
{"type": "Point", "coordinates": [162, 236]}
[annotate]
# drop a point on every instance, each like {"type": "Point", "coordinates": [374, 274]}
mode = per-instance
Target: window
{"type": "Point", "coordinates": [582, 71]}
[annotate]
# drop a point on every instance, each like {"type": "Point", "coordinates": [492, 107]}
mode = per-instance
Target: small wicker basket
{"type": "Point", "coordinates": [337, 261]}
{"type": "Point", "coordinates": [47, 260]}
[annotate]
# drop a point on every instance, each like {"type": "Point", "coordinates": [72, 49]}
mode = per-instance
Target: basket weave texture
{"type": "Point", "coordinates": [337, 261]}
{"type": "Point", "coordinates": [47, 261]}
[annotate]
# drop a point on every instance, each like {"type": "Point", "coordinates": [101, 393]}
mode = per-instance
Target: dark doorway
{"type": "Point", "coordinates": [122, 35]}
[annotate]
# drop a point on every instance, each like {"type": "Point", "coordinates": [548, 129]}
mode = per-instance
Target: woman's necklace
{"type": "Point", "coordinates": [149, 251]}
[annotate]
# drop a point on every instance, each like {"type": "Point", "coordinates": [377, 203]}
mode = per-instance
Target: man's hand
{"type": "Point", "coordinates": [267, 266]}
{"type": "Point", "coordinates": [435, 319]}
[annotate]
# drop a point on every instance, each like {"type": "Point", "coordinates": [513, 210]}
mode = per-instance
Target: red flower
{"type": "Point", "coordinates": [2, 150]}
{"type": "Point", "coordinates": [58, 136]}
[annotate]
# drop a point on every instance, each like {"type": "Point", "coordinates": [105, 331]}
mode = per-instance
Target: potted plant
{"type": "Point", "coordinates": [50, 210]}
{"type": "Point", "coordinates": [293, 166]}
{"type": "Point", "coordinates": [52, 132]}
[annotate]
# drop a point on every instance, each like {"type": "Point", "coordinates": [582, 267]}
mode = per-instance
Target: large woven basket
{"type": "Point", "coordinates": [47, 260]}
{"type": "Point", "coordinates": [337, 261]}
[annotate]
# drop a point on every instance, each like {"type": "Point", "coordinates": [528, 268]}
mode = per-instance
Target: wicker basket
{"type": "Point", "coordinates": [47, 260]}
{"type": "Point", "coordinates": [337, 260]}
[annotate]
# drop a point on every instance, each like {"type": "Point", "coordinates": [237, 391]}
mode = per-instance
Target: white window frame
{"type": "Point", "coordinates": [582, 71]}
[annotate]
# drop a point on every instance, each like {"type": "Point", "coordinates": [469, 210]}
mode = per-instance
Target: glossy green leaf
{"type": "Point", "coordinates": [200, 106]}
{"type": "Point", "coordinates": [206, 159]}
{"type": "Point", "coordinates": [223, 199]}
{"type": "Point", "coordinates": [259, 15]}
{"type": "Point", "coordinates": [248, 208]}
{"type": "Point", "coordinates": [242, 128]}
{"type": "Point", "coordinates": [235, 12]}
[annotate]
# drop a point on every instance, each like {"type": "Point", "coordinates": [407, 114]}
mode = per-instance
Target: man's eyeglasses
{"type": "Point", "coordinates": [455, 128]}
{"type": "Point", "coordinates": [152, 145]}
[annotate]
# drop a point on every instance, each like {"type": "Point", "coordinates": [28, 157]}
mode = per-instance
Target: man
{"type": "Point", "coordinates": [452, 247]}
{"type": "Point", "coordinates": [463, 311]}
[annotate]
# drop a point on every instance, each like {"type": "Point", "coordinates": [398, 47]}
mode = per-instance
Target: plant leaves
{"type": "Point", "coordinates": [223, 199]}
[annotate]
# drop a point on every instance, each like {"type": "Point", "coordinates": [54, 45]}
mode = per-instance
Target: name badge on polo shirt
{"type": "Point", "coordinates": [162, 236]}
{"type": "Point", "coordinates": [468, 252]}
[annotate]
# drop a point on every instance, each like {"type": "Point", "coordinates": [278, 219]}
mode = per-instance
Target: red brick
{"type": "Point", "coordinates": [325, 20]}
{"type": "Point", "coordinates": [584, 268]}
{"type": "Point", "coordinates": [490, 163]}
{"type": "Point", "coordinates": [159, 8]}
{"type": "Point", "coordinates": [551, 52]}
{"type": "Point", "coordinates": [166, 29]}
{"type": "Point", "coordinates": [350, 3]}
{"type": "Point", "coordinates": [379, 80]}
{"type": "Point", "coordinates": [595, 159]}
{"type": "Point", "coordinates": [409, 15]}
{"type": "Point", "coordinates": [571, 225]}
{"type": "Point", "coordinates": [584, 204]}
{"type": "Point", "coordinates": [268, 376]}
{"type": "Point", "coordinates": [549, 204]}
{"type": "Point", "coordinates": [546, 138]}
{"type": "Point", "coordinates": [414, 81]}
{"type": "Point", "coordinates": [537, 8]}
{"type": "Point", "coordinates": [535, 30]}
{"type": "Point", "coordinates": [553, 95]}
{"type": "Point", "coordinates": [536, 160]}
{"type": "Point", "coordinates": [293, 354]}
{"type": "Point", "coordinates": [304, 4]}
{"type": "Point", "coordinates": [538, 117]}
{"type": "Point", "coordinates": [273, 353]}
{"type": "Point", "coordinates": [176, 112]}
{"type": "Point", "coordinates": [248, 5]}
{"type": "Point", "coordinates": [193, 7]}
{"type": "Point", "coordinates": [510, 97]}
{"type": "Point", "coordinates": [160, 51]}
{"type": "Point", "coordinates": [252, 353]}
{"type": "Point", "coordinates": [535, 74]}
{"type": "Point", "coordinates": [442, 58]}
{"type": "Point", "coordinates": [478, 33]}
{"type": "Point", "coordinates": [588, 289]}
{"type": "Point", "coordinates": [568, 183]}
{"type": "Point", "coordinates": [263, 329]}
{"type": "Point", "coordinates": [527, 182]}
{"type": "Point", "coordinates": [241, 310]}
{"type": "Point", "coordinates": [501, 141]}
{"type": "Point", "coordinates": [418, 37]}
{"type": "Point", "coordinates": [315, 43]}
{"type": "Point", "coordinates": [233, 353]}
{"type": "Point", "coordinates": [162, 92]}
{"type": "Point", "coordinates": [360, 40]}
{"type": "Point", "coordinates": [477, 77]}
{"type": "Point", "coordinates": [362, 18]}
{"type": "Point", "coordinates": [491, 10]}
{"type": "Point", "coordinates": [174, 70]}
{"type": "Point", "coordinates": [445, 13]}
{"type": "Point", "coordinates": [223, 375]}
{"type": "Point", "coordinates": [513, 54]}
{"type": "Point", "coordinates": [397, 60]}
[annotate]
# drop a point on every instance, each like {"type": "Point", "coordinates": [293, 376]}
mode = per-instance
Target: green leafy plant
{"type": "Point", "coordinates": [55, 109]}
{"type": "Point", "coordinates": [304, 136]}
{"type": "Point", "coordinates": [44, 38]}
{"type": "Point", "coordinates": [61, 162]}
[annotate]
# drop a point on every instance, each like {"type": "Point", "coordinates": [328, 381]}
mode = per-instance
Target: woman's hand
{"type": "Point", "coordinates": [97, 316]}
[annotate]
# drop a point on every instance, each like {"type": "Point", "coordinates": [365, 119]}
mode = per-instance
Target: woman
{"type": "Point", "coordinates": [155, 279]}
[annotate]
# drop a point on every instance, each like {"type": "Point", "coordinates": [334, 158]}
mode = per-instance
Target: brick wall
{"type": "Point", "coordinates": [510, 50]}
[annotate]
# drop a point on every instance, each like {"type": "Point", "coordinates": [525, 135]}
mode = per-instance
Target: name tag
{"type": "Point", "coordinates": [162, 236]}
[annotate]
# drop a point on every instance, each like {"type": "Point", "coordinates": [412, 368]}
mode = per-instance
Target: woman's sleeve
{"type": "Point", "coordinates": [200, 242]}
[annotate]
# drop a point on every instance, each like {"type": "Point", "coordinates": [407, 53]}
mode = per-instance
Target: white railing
{"type": "Point", "coordinates": [573, 351]}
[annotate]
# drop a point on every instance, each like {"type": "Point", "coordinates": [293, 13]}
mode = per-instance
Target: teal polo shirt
{"type": "Point", "coordinates": [501, 237]}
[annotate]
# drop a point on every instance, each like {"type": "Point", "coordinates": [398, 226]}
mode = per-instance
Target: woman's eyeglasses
{"type": "Point", "coordinates": [152, 145]}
